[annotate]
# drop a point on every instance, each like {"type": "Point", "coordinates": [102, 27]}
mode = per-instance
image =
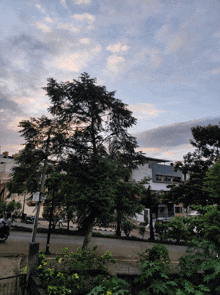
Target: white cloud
{"type": "Point", "coordinates": [68, 26]}
{"type": "Point", "coordinates": [97, 48]}
{"type": "Point", "coordinates": [82, 2]}
{"type": "Point", "coordinates": [115, 63]}
{"type": "Point", "coordinates": [177, 43]}
{"type": "Point", "coordinates": [39, 7]}
{"type": "Point", "coordinates": [216, 71]}
{"type": "Point", "coordinates": [25, 101]}
{"type": "Point", "coordinates": [15, 121]}
{"type": "Point", "coordinates": [75, 62]}
{"type": "Point", "coordinates": [155, 56]}
{"type": "Point", "coordinates": [43, 27]}
{"type": "Point", "coordinates": [145, 110]}
{"type": "Point", "coordinates": [85, 16]}
{"type": "Point", "coordinates": [48, 19]}
{"type": "Point", "coordinates": [85, 41]}
{"type": "Point", "coordinates": [63, 2]}
{"type": "Point", "coordinates": [162, 35]}
{"type": "Point", "coordinates": [117, 47]}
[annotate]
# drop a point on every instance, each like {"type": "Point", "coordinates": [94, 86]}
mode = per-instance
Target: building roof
{"type": "Point", "coordinates": [157, 160]}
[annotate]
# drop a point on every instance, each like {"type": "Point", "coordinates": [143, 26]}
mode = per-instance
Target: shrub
{"type": "Point", "coordinates": [76, 273]}
{"type": "Point", "coordinates": [114, 286]}
{"type": "Point", "coordinates": [142, 230]}
{"type": "Point", "coordinates": [127, 226]}
{"type": "Point", "coordinates": [161, 229]}
{"type": "Point", "coordinates": [179, 229]}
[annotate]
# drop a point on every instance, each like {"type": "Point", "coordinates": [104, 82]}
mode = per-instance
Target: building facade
{"type": "Point", "coordinates": [161, 173]}
{"type": "Point", "coordinates": [6, 163]}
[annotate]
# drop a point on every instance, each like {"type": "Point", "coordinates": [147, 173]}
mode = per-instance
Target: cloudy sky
{"type": "Point", "coordinates": [161, 56]}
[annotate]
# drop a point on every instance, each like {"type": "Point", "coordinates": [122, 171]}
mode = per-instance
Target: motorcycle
{"type": "Point", "coordinates": [4, 233]}
{"type": "Point", "coordinates": [27, 218]}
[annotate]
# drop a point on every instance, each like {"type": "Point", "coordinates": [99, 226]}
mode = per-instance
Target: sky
{"type": "Point", "coordinates": [161, 56]}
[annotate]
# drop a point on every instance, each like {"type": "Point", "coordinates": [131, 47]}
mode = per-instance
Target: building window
{"type": "Point", "coordinates": [178, 209]}
{"type": "Point", "coordinates": [158, 177]}
{"type": "Point", "coordinates": [166, 178]}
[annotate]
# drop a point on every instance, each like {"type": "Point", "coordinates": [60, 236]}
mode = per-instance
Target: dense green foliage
{"type": "Point", "coordinates": [212, 182]}
{"type": "Point", "coordinates": [84, 272]}
{"type": "Point", "coordinates": [75, 273]}
{"type": "Point", "coordinates": [196, 190]}
{"type": "Point", "coordinates": [87, 140]}
{"type": "Point", "coordinates": [205, 226]}
{"type": "Point", "coordinates": [10, 207]}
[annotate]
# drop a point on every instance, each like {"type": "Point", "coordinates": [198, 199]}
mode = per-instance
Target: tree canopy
{"type": "Point", "coordinates": [88, 137]}
{"type": "Point", "coordinates": [197, 164]}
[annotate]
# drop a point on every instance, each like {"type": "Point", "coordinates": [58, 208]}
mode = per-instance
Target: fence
{"type": "Point", "coordinates": [14, 285]}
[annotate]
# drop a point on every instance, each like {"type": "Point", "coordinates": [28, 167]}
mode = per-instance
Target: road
{"type": "Point", "coordinates": [18, 243]}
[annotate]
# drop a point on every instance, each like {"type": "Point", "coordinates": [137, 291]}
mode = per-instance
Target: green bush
{"type": "Point", "coordinates": [142, 230]}
{"type": "Point", "coordinates": [127, 226]}
{"type": "Point", "coordinates": [114, 286]}
{"type": "Point", "coordinates": [156, 278]}
{"type": "Point", "coordinates": [179, 229]}
{"type": "Point", "coordinates": [161, 229]}
{"type": "Point", "coordinates": [76, 273]}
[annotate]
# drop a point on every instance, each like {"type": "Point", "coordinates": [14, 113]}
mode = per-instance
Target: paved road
{"type": "Point", "coordinates": [18, 243]}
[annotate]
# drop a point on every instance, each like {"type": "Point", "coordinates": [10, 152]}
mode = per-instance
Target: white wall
{"type": "Point", "coordinates": [145, 171]}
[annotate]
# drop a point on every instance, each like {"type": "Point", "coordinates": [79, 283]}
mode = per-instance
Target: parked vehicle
{"type": "Point", "coordinates": [27, 218]}
{"type": "Point", "coordinates": [30, 219]}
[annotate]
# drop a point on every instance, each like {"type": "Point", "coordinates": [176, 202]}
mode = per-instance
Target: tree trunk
{"type": "Point", "coordinates": [68, 225]}
{"type": "Point", "coordinates": [151, 226]}
{"type": "Point", "coordinates": [88, 236]}
{"type": "Point", "coordinates": [119, 217]}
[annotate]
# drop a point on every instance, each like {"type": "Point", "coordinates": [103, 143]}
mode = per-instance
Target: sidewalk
{"type": "Point", "coordinates": [73, 226]}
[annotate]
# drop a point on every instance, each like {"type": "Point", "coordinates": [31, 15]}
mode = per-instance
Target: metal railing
{"type": "Point", "coordinates": [13, 285]}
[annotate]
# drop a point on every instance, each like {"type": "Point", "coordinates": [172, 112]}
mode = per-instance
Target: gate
{"type": "Point", "coordinates": [14, 285]}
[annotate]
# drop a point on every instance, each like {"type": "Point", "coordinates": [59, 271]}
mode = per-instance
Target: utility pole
{"type": "Point", "coordinates": [41, 190]}
{"type": "Point", "coordinates": [47, 252]}
{"type": "Point", "coordinates": [23, 205]}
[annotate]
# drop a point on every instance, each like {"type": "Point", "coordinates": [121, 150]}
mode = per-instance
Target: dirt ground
{"type": "Point", "coordinates": [10, 266]}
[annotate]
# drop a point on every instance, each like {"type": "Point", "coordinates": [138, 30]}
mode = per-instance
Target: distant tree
{"type": "Point", "coordinates": [10, 207]}
{"type": "Point", "coordinates": [127, 198]}
{"type": "Point", "coordinates": [212, 183]}
{"type": "Point", "coordinates": [197, 164]}
{"type": "Point", "coordinates": [42, 137]}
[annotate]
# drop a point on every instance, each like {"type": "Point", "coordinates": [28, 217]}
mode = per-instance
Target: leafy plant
{"type": "Point", "coordinates": [76, 273]}
{"type": "Point", "coordinates": [154, 277]}
{"type": "Point", "coordinates": [142, 230]}
{"type": "Point", "coordinates": [113, 286]}
{"type": "Point", "coordinates": [10, 207]}
{"type": "Point", "coordinates": [161, 229]}
{"type": "Point", "coordinates": [127, 227]}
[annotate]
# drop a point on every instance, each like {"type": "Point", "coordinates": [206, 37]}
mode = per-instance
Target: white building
{"type": "Point", "coordinates": [161, 175]}
{"type": "Point", "coordinates": [6, 164]}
